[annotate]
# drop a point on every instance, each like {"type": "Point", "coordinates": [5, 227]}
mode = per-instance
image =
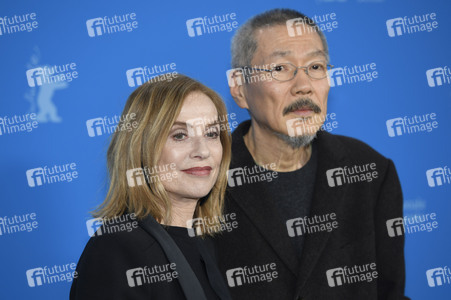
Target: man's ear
{"type": "Point", "coordinates": [237, 91]}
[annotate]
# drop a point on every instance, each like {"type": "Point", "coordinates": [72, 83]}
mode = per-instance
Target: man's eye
{"type": "Point", "coordinates": [318, 67]}
{"type": "Point", "coordinates": [280, 68]}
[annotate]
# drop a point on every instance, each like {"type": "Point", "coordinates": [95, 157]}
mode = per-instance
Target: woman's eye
{"type": "Point", "coordinates": [179, 136]}
{"type": "Point", "coordinates": [213, 134]}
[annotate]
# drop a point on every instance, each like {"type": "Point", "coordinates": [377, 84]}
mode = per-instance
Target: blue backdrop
{"type": "Point", "coordinates": [95, 53]}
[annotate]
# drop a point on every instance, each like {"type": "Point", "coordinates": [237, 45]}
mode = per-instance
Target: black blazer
{"type": "Point", "coordinates": [111, 264]}
{"type": "Point", "coordinates": [361, 237]}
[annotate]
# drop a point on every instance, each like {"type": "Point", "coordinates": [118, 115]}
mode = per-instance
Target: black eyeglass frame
{"type": "Point", "coordinates": [328, 68]}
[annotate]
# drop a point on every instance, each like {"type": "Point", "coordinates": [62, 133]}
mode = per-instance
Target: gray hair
{"type": "Point", "coordinates": [296, 142]}
{"type": "Point", "coordinates": [244, 44]}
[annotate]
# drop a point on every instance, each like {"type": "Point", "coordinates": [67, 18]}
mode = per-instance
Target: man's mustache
{"type": "Point", "coordinates": [302, 104]}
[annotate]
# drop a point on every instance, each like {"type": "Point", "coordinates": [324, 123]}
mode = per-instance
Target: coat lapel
{"type": "Point", "coordinates": [188, 281]}
{"type": "Point", "coordinates": [325, 201]}
{"type": "Point", "coordinates": [262, 212]}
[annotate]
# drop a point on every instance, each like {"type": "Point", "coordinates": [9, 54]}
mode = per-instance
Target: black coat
{"type": "Point", "coordinates": [103, 269]}
{"type": "Point", "coordinates": [362, 210]}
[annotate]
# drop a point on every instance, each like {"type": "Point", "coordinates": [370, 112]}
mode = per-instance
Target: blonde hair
{"type": "Point", "coordinates": [156, 105]}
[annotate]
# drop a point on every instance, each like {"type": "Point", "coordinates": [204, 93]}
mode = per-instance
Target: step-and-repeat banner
{"type": "Point", "coordinates": [67, 69]}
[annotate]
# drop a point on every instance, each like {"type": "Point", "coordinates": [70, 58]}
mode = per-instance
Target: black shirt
{"type": "Point", "coordinates": [189, 247]}
{"type": "Point", "coordinates": [293, 193]}
{"type": "Point", "coordinates": [290, 192]}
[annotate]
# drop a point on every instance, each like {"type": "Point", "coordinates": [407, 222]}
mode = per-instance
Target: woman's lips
{"type": "Point", "coordinates": [198, 171]}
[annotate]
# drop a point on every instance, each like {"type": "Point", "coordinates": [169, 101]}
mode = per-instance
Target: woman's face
{"type": "Point", "coordinates": [193, 150]}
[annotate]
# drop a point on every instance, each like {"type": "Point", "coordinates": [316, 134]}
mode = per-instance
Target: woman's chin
{"type": "Point", "coordinates": [199, 193]}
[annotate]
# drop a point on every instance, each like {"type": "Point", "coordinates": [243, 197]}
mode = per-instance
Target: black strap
{"type": "Point", "coordinates": [214, 276]}
{"type": "Point", "coordinates": [188, 280]}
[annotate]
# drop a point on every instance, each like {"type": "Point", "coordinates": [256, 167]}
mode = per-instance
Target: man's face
{"type": "Point", "coordinates": [269, 101]}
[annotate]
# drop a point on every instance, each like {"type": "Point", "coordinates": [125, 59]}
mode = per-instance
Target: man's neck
{"type": "Point", "coordinates": [266, 148]}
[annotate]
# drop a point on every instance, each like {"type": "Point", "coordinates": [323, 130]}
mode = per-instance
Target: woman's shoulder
{"type": "Point", "coordinates": [107, 258]}
{"type": "Point", "coordinates": [117, 240]}
{"type": "Point", "coordinates": [114, 248]}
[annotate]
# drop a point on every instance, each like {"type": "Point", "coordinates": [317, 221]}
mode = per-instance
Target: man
{"type": "Point", "coordinates": [312, 208]}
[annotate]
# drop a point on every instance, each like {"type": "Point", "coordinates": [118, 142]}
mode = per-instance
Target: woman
{"type": "Point", "coordinates": [166, 172]}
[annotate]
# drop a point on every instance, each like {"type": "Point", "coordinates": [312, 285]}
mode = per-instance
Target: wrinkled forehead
{"type": "Point", "coordinates": [313, 54]}
{"type": "Point", "coordinates": [275, 42]}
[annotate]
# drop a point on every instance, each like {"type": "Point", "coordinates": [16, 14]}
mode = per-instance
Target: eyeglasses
{"type": "Point", "coordinates": [287, 71]}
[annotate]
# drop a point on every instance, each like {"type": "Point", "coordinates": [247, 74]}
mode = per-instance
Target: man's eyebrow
{"type": "Point", "coordinates": [281, 53]}
{"type": "Point", "coordinates": [316, 53]}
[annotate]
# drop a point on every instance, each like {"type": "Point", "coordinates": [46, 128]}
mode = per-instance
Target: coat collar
{"type": "Point", "coordinates": [251, 198]}
{"type": "Point", "coordinates": [188, 281]}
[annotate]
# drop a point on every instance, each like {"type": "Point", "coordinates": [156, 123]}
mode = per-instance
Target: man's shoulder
{"type": "Point", "coordinates": [350, 147]}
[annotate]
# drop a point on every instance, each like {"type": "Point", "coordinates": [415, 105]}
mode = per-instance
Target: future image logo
{"type": "Point", "coordinates": [395, 227]}
{"type": "Point", "coordinates": [306, 126]}
{"type": "Point", "coordinates": [50, 275]}
{"type": "Point", "coordinates": [411, 124]}
{"type": "Point", "coordinates": [438, 276]}
{"type": "Point", "coordinates": [49, 175]}
{"type": "Point", "coordinates": [109, 125]}
{"type": "Point", "coordinates": [300, 26]}
{"type": "Point", "coordinates": [411, 224]}
{"type": "Point", "coordinates": [140, 176]}
{"type": "Point", "coordinates": [200, 126]}
{"type": "Point", "coordinates": [251, 274]}
{"type": "Point", "coordinates": [18, 223]}
{"type": "Point", "coordinates": [313, 224]}
{"type": "Point", "coordinates": [18, 123]}
{"type": "Point", "coordinates": [151, 274]}
{"type": "Point", "coordinates": [409, 25]}
{"type": "Point", "coordinates": [438, 176]}
{"type": "Point", "coordinates": [51, 74]}
{"type": "Point", "coordinates": [199, 226]}
{"type": "Point", "coordinates": [95, 27]}
{"type": "Point", "coordinates": [110, 25]}
{"type": "Point", "coordinates": [93, 225]}
{"type": "Point", "coordinates": [351, 174]}
{"type": "Point", "coordinates": [209, 25]}
{"type": "Point", "coordinates": [35, 277]}
{"type": "Point", "coordinates": [438, 76]}
{"type": "Point", "coordinates": [102, 226]}
{"type": "Point", "coordinates": [247, 175]}
{"type": "Point", "coordinates": [234, 77]}
{"type": "Point", "coordinates": [195, 26]}
{"type": "Point", "coordinates": [155, 73]}
{"type": "Point", "coordinates": [18, 23]}
{"type": "Point", "coordinates": [348, 275]}
{"type": "Point", "coordinates": [352, 74]}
